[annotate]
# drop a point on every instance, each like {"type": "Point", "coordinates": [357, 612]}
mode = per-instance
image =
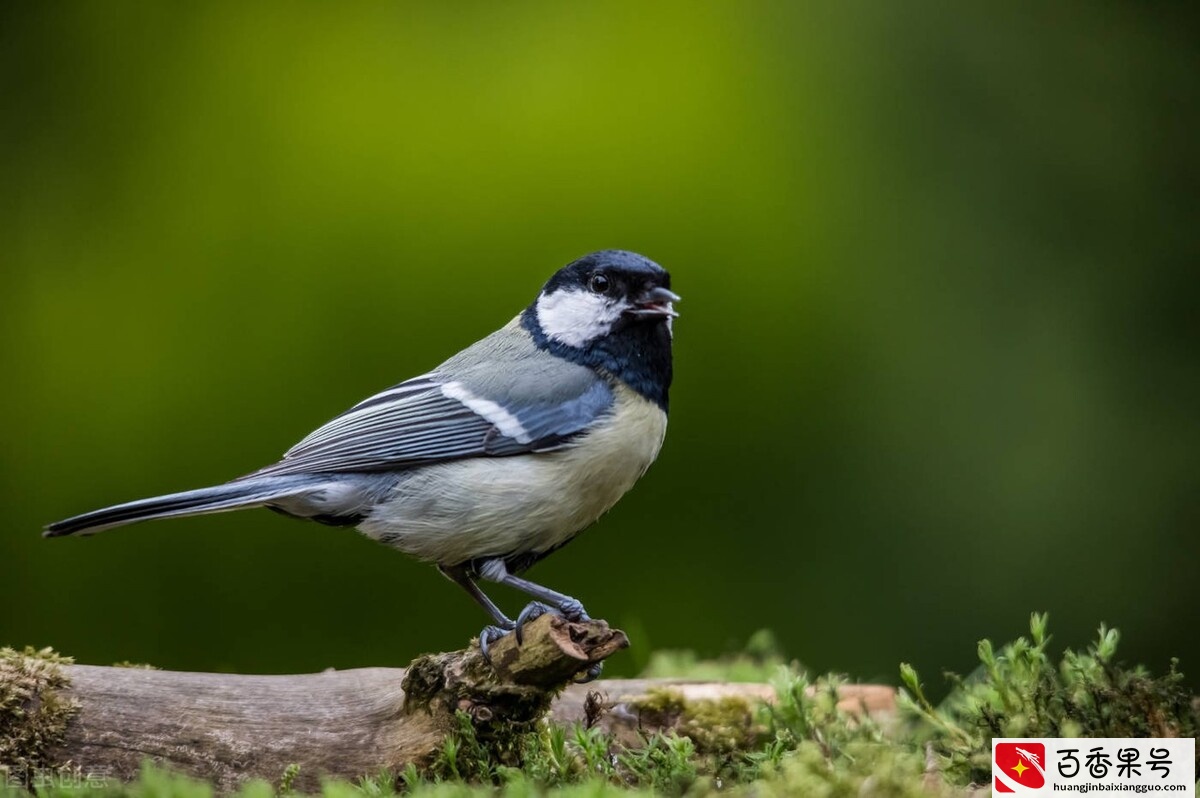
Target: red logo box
{"type": "Point", "coordinates": [1022, 764]}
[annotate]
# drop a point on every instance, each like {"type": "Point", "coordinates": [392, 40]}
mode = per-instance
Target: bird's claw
{"type": "Point", "coordinates": [532, 611]}
{"type": "Point", "coordinates": [571, 609]}
{"type": "Point", "coordinates": [489, 635]}
{"type": "Point", "coordinates": [590, 675]}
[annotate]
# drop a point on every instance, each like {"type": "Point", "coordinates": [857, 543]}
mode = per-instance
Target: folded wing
{"type": "Point", "coordinates": [512, 401]}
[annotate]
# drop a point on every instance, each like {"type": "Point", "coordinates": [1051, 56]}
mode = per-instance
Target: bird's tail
{"type": "Point", "coordinates": [217, 499]}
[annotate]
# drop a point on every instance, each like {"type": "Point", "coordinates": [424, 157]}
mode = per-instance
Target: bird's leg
{"type": "Point", "coordinates": [491, 633]}
{"type": "Point", "coordinates": [547, 600]}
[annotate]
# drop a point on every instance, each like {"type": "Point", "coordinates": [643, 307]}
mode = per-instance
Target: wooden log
{"type": "Point", "coordinates": [227, 728]}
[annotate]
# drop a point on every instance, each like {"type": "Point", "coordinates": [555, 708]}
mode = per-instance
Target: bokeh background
{"type": "Point", "coordinates": [937, 365]}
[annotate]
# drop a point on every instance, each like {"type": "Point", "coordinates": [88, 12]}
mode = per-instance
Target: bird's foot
{"type": "Point", "coordinates": [571, 609]}
{"type": "Point", "coordinates": [532, 611]}
{"type": "Point", "coordinates": [489, 635]}
{"type": "Point", "coordinates": [590, 675]}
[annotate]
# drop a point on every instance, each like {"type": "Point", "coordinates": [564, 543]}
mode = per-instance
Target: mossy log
{"type": "Point", "coordinates": [227, 728]}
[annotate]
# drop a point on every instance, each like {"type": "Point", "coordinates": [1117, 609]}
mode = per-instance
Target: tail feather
{"type": "Point", "coordinates": [217, 499]}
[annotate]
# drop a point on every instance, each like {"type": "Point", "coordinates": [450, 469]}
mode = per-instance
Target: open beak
{"type": "Point", "coordinates": [655, 303]}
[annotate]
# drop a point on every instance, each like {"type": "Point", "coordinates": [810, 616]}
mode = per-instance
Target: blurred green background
{"type": "Point", "coordinates": [937, 365]}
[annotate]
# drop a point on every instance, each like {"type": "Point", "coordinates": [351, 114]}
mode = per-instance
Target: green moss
{"type": "Point", "coordinates": [661, 702]}
{"type": "Point", "coordinates": [423, 681]}
{"type": "Point", "coordinates": [860, 768]}
{"type": "Point", "coordinates": [720, 726]}
{"type": "Point", "coordinates": [34, 712]}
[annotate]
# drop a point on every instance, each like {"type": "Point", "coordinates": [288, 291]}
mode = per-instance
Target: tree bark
{"type": "Point", "coordinates": [227, 728]}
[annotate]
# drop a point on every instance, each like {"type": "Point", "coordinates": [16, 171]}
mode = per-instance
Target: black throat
{"type": "Point", "coordinates": [636, 352]}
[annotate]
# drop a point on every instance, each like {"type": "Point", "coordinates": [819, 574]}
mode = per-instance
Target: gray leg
{"type": "Point", "coordinates": [569, 608]}
{"type": "Point", "coordinates": [458, 574]}
{"type": "Point", "coordinates": [490, 634]}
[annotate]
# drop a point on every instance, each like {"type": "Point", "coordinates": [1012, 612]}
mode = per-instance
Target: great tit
{"type": "Point", "coordinates": [494, 459]}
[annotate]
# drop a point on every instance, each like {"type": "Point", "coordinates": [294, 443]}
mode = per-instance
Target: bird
{"type": "Point", "coordinates": [492, 460]}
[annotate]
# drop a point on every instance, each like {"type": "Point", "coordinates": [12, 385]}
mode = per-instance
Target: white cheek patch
{"type": "Point", "coordinates": [576, 318]}
{"type": "Point", "coordinates": [506, 422]}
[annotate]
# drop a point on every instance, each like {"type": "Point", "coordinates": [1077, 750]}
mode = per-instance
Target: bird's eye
{"type": "Point", "coordinates": [599, 283]}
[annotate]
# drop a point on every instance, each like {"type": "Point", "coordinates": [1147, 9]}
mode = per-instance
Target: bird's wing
{"type": "Point", "coordinates": [509, 402]}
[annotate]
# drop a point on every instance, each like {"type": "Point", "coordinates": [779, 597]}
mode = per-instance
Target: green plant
{"type": "Point", "coordinates": [1019, 691]}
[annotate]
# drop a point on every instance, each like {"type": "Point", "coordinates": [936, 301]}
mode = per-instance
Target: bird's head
{"type": "Point", "coordinates": [602, 294]}
{"type": "Point", "coordinates": [610, 310]}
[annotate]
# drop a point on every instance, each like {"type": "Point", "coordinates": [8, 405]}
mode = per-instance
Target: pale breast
{"type": "Point", "coordinates": [502, 506]}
